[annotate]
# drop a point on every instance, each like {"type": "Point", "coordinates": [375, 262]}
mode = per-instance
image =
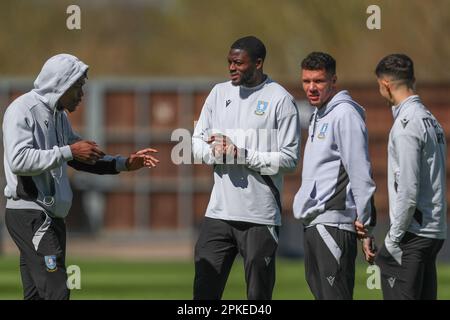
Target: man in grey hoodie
{"type": "Point", "coordinates": [417, 155]}
{"type": "Point", "coordinates": [337, 189]}
{"type": "Point", "coordinates": [38, 145]}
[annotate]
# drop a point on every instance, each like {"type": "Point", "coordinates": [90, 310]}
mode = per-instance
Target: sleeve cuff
{"type": "Point", "coordinates": [66, 153]}
{"type": "Point", "coordinates": [121, 164]}
{"type": "Point", "coordinates": [394, 238]}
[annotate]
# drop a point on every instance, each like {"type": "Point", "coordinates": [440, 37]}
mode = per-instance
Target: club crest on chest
{"type": "Point", "coordinates": [261, 107]}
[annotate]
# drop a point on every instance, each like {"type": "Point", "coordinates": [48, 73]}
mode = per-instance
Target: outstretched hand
{"type": "Point", "coordinates": [142, 158]}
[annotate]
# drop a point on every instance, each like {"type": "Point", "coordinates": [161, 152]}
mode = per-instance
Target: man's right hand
{"type": "Point", "coordinates": [222, 146]}
{"type": "Point", "coordinates": [369, 249]}
{"type": "Point", "coordinates": [361, 231]}
{"type": "Point", "coordinates": [86, 151]}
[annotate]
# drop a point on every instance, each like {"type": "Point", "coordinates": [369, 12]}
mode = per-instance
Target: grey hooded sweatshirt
{"type": "Point", "coordinates": [37, 139]}
{"type": "Point", "coordinates": [337, 187]}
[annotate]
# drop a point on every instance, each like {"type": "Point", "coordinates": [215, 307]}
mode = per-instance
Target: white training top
{"type": "Point", "coordinates": [263, 123]}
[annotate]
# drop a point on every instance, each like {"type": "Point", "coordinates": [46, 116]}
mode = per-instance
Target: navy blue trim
{"type": "Point", "coordinates": [26, 188]}
{"type": "Point", "coordinates": [100, 167]}
{"type": "Point", "coordinates": [337, 200]}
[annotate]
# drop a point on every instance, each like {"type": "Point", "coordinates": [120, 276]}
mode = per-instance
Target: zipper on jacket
{"type": "Point", "coordinates": [55, 121]}
{"type": "Point", "coordinates": [314, 127]}
{"type": "Point", "coordinates": [55, 118]}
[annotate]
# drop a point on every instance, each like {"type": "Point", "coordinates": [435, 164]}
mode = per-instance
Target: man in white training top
{"type": "Point", "coordinates": [249, 132]}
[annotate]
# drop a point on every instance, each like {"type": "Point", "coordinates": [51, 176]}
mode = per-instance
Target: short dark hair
{"type": "Point", "coordinates": [252, 45]}
{"type": "Point", "coordinates": [397, 65]}
{"type": "Point", "coordinates": [319, 61]}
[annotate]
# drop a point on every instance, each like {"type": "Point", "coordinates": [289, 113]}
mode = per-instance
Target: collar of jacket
{"type": "Point", "coordinates": [396, 110]}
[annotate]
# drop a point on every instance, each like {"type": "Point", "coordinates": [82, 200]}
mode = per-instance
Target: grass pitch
{"type": "Point", "coordinates": [115, 279]}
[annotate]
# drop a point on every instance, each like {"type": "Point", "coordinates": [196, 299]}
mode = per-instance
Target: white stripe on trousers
{"type": "Point", "coordinates": [37, 237]}
{"type": "Point", "coordinates": [330, 243]}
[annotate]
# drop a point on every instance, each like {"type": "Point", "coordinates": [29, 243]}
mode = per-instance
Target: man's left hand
{"type": "Point", "coordinates": [142, 158]}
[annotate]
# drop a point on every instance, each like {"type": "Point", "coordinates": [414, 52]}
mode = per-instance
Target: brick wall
{"type": "Point", "coordinates": [162, 111]}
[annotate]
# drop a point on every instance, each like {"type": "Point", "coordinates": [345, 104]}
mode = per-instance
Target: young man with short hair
{"type": "Point", "coordinates": [249, 131]}
{"type": "Point", "coordinates": [416, 184]}
{"type": "Point", "coordinates": [335, 200]}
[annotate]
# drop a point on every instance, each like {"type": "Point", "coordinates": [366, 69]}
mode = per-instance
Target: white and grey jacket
{"type": "Point", "coordinates": [263, 123]}
{"type": "Point", "coordinates": [337, 186]}
{"type": "Point", "coordinates": [416, 173]}
{"type": "Point", "coordinates": [37, 138]}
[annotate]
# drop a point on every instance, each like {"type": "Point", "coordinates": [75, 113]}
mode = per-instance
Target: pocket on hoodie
{"type": "Point", "coordinates": [58, 199]}
{"type": "Point", "coordinates": [306, 198]}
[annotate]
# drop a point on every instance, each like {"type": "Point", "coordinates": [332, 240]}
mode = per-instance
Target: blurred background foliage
{"type": "Point", "coordinates": [190, 38]}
